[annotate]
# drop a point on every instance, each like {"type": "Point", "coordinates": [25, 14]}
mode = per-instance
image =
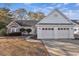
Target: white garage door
{"type": "Point", "coordinates": [63, 33]}
{"type": "Point", "coordinates": [46, 33]}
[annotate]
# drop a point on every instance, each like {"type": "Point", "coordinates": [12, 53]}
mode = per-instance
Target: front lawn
{"type": "Point", "coordinates": [12, 46]}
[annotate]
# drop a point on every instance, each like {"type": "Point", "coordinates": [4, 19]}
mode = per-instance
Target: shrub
{"type": "Point", "coordinates": [22, 29]}
{"type": "Point", "coordinates": [28, 30]}
{"type": "Point", "coordinates": [2, 25]}
{"type": "Point", "coordinates": [15, 34]}
{"type": "Point", "coordinates": [3, 32]}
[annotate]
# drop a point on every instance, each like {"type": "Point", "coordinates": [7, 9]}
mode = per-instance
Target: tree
{"type": "Point", "coordinates": [3, 32]}
{"type": "Point", "coordinates": [4, 17]}
{"type": "Point", "coordinates": [4, 14]}
{"type": "Point", "coordinates": [33, 15]}
{"type": "Point", "coordinates": [20, 13]}
{"type": "Point", "coordinates": [5, 9]}
{"type": "Point", "coordinates": [36, 16]}
{"type": "Point", "coordinates": [2, 25]}
{"type": "Point", "coordinates": [22, 30]}
{"type": "Point", "coordinates": [40, 15]}
{"type": "Point", "coordinates": [28, 30]}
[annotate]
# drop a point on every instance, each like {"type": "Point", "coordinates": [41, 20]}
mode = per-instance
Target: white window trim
{"type": "Point", "coordinates": [13, 29]}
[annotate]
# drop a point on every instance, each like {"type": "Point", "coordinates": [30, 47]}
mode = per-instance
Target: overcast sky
{"type": "Point", "coordinates": [71, 10]}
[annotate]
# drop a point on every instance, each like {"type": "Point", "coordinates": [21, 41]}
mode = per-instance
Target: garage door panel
{"type": "Point", "coordinates": [47, 34]}
{"type": "Point", "coordinates": [63, 34]}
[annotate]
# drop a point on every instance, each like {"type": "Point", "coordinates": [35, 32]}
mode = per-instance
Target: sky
{"type": "Point", "coordinates": [71, 10]}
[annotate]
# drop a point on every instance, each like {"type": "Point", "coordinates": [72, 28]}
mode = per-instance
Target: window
{"type": "Point", "coordinates": [58, 28]}
{"type": "Point", "coordinates": [49, 28]}
{"type": "Point", "coordinates": [75, 29]}
{"type": "Point", "coordinates": [67, 28]}
{"type": "Point", "coordinates": [45, 28]}
{"type": "Point", "coordinates": [52, 28]}
{"type": "Point", "coordinates": [13, 29]}
{"type": "Point", "coordinates": [42, 28]}
{"type": "Point", "coordinates": [63, 28]}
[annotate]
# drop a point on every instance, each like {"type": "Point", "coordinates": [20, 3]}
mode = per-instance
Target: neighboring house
{"type": "Point", "coordinates": [76, 27]}
{"type": "Point", "coordinates": [16, 25]}
{"type": "Point", "coordinates": [55, 26]}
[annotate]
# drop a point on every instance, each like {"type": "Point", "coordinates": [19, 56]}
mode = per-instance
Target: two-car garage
{"type": "Point", "coordinates": [44, 32]}
{"type": "Point", "coordinates": [55, 26]}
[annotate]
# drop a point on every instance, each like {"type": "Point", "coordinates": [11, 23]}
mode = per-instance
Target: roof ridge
{"type": "Point", "coordinates": [59, 13]}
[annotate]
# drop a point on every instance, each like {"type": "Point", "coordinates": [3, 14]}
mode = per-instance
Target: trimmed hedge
{"type": "Point", "coordinates": [14, 34]}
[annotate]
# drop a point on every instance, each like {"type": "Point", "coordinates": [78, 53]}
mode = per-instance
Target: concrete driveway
{"type": "Point", "coordinates": [62, 47]}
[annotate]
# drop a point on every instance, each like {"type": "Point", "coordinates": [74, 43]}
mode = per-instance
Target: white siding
{"type": "Point", "coordinates": [72, 32]}
{"type": "Point", "coordinates": [52, 18]}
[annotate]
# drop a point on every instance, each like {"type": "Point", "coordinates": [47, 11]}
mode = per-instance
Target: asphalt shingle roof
{"type": "Point", "coordinates": [26, 22]}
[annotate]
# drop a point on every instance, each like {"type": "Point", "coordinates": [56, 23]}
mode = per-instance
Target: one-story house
{"type": "Point", "coordinates": [54, 26]}
{"type": "Point", "coordinates": [16, 25]}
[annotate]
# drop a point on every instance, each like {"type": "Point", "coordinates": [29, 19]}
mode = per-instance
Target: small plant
{"type": "Point", "coordinates": [28, 30]}
{"type": "Point", "coordinates": [22, 30]}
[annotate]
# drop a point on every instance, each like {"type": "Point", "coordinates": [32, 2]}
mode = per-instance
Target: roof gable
{"type": "Point", "coordinates": [22, 23]}
{"type": "Point", "coordinates": [13, 23]}
{"type": "Point", "coordinates": [56, 17]}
